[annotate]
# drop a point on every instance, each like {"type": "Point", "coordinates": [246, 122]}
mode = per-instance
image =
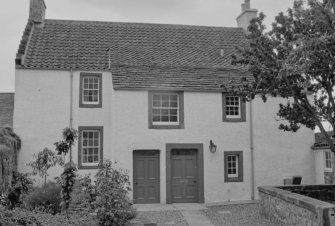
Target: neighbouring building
{"type": "Point", "coordinates": [6, 109]}
{"type": "Point", "coordinates": [149, 96]}
{"type": "Point", "coordinates": [324, 159]}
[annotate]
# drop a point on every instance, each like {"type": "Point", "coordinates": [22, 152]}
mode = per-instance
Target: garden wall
{"type": "Point", "coordinates": [284, 207]}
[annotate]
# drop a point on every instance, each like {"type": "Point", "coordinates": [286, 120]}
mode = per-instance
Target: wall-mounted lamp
{"type": "Point", "coordinates": [212, 146]}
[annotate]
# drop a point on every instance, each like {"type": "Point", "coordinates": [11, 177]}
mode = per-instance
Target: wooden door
{"type": "Point", "coordinates": [184, 179]}
{"type": "Point", "coordinates": [146, 176]}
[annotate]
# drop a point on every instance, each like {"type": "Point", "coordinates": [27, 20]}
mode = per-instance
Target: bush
{"type": "Point", "coordinates": [46, 199]}
{"type": "Point", "coordinates": [21, 185]}
{"type": "Point", "coordinates": [25, 217]}
{"type": "Point", "coordinates": [112, 204]}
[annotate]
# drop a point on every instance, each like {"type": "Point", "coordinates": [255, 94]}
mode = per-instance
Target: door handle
{"type": "Point", "coordinates": [194, 181]}
{"type": "Point", "coordinates": [136, 183]}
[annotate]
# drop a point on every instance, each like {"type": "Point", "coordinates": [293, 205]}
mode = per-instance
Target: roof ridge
{"type": "Point", "coordinates": [141, 24]}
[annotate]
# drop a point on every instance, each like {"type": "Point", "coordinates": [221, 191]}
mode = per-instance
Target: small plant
{"type": "Point", "coordinates": [68, 177]}
{"type": "Point", "coordinates": [44, 161]}
{"type": "Point", "coordinates": [67, 182]}
{"type": "Point", "coordinates": [112, 185]}
{"type": "Point", "coordinates": [21, 184]}
{"type": "Point", "coordinates": [46, 199]}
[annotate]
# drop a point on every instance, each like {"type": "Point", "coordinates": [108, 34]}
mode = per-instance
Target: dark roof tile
{"type": "Point", "coordinates": [149, 55]}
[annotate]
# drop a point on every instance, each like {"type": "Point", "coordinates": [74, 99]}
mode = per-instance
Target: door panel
{"type": "Point", "coordinates": [146, 176]}
{"type": "Point", "coordinates": [184, 175]}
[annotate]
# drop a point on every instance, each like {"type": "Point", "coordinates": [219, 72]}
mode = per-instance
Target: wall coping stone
{"type": "Point", "coordinates": [311, 204]}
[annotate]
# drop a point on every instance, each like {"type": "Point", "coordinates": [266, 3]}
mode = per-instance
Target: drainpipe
{"type": "Point", "coordinates": [252, 153]}
{"type": "Point", "coordinates": [71, 108]}
{"type": "Point", "coordinates": [71, 98]}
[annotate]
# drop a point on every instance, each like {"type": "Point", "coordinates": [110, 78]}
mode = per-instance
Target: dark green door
{"type": "Point", "coordinates": [184, 180]}
{"type": "Point", "coordinates": [146, 176]}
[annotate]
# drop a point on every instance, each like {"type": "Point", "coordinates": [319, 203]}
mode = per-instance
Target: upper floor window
{"type": "Point", "coordinates": [233, 108]}
{"type": "Point", "coordinates": [233, 166]}
{"type": "Point", "coordinates": [166, 110]}
{"type": "Point", "coordinates": [328, 161]}
{"type": "Point", "coordinates": [90, 146]}
{"type": "Point", "coordinates": [90, 90]}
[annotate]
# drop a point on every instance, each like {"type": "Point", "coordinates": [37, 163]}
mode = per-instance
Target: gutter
{"type": "Point", "coordinates": [252, 152]}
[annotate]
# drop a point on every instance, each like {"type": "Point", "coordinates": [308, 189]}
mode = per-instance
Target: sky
{"type": "Point", "coordinates": [14, 15]}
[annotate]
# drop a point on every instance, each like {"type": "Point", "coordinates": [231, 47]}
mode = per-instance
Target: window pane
{"type": "Point", "coordinates": [165, 118]}
{"type": "Point", "coordinates": [156, 118]}
{"type": "Point", "coordinates": [173, 119]}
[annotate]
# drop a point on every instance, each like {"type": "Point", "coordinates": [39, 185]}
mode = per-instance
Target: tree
{"type": "Point", "coordinates": [294, 60]}
{"type": "Point", "coordinates": [10, 144]}
{"type": "Point", "coordinates": [44, 160]}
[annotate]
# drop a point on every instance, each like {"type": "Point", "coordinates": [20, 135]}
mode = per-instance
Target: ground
{"type": "Point", "coordinates": [246, 214]}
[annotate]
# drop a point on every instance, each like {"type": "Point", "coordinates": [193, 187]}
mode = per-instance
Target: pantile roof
{"type": "Point", "coordinates": [140, 55]}
{"type": "Point", "coordinates": [6, 109]}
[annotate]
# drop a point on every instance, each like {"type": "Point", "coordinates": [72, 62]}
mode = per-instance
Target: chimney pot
{"type": "Point", "coordinates": [37, 11]}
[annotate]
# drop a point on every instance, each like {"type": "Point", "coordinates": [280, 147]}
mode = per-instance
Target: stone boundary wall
{"type": "Point", "coordinates": [283, 207]}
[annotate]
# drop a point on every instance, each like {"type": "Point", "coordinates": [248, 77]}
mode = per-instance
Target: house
{"type": "Point", "coordinates": [324, 159]}
{"type": "Point", "coordinates": [6, 109]}
{"type": "Point", "coordinates": [149, 96]}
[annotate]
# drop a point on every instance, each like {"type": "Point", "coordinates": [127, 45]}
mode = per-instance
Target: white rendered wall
{"type": "Point", "coordinates": [42, 110]}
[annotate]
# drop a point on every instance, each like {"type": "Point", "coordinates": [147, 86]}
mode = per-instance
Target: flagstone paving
{"type": "Point", "coordinates": [223, 214]}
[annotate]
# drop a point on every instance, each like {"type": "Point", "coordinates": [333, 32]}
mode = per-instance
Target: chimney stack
{"type": "Point", "coordinates": [247, 14]}
{"type": "Point", "coordinates": [37, 11]}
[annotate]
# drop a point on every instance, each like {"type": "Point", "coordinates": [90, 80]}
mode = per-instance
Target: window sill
{"type": "Point", "coordinates": [232, 180]}
{"type": "Point", "coordinates": [166, 126]}
{"type": "Point", "coordinates": [81, 105]}
{"type": "Point", "coordinates": [88, 167]}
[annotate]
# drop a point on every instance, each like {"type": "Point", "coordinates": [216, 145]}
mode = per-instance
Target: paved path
{"type": "Point", "coordinates": [191, 212]}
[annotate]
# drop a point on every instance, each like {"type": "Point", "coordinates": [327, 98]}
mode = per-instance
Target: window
{"type": "Point", "coordinates": [233, 109]}
{"type": "Point", "coordinates": [90, 90]}
{"type": "Point", "coordinates": [166, 110]}
{"type": "Point", "coordinates": [233, 166]}
{"type": "Point", "coordinates": [328, 161]}
{"type": "Point", "coordinates": [90, 148]}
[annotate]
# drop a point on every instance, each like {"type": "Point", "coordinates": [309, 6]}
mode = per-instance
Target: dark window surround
{"type": "Point", "coordinates": [80, 129]}
{"type": "Point", "coordinates": [200, 168]}
{"type": "Point", "coordinates": [243, 110]}
{"type": "Point", "coordinates": [181, 110]}
{"type": "Point", "coordinates": [239, 178]}
{"type": "Point", "coordinates": [81, 104]}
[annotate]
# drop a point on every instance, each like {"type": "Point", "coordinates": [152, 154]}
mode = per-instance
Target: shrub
{"type": "Point", "coordinates": [112, 204]}
{"type": "Point", "coordinates": [46, 199]}
{"type": "Point", "coordinates": [67, 181]}
{"type": "Point", "coordinates": [21, 184]}
{"type": "Point", "coordinates": [25, 217]}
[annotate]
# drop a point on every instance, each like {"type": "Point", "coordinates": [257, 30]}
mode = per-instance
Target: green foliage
{"type": "Point", "coordinates": [44, 160]}
{"type": "Point", "coordinates": [69, 137]}
{"type": "Point", "coordinates": [26, 217]}
{"type": "Point", "coordinates": [292, 60]}
{"type": "Point", "coordinates": [46, 199]}
{"type": "Point", "coordinates": [21, 184]}
{"type": "Point", "coordinates": [111, 189]}
{"type": "Point", "coordinates": [67, 182]}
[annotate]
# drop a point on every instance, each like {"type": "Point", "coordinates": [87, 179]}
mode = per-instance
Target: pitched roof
{"type": "Point", "coordinates": [6, 109]}
{"type": "Point", "coordinates": [135, 49]}
{"type": "Point", "coordinates": [320, 140]}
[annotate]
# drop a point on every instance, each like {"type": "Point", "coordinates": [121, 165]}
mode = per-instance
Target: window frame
{"type": "Point", "coordinates": [83, 104]}
{"type": "Point", "coordinates": [239, 165]}
{"type": "Point", "coordinates": [180, 112]}
{"type": "Point", "coordinates": [242, 110]}
{"type": "Point", "coordinates": [327, 169]}
{"type": "Point", "coordinates": [82, 165]}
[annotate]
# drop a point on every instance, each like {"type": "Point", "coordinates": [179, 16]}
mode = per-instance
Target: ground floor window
{"type": "Point", "coordinates": [90, 147]}
{"type": "Point", "coordinates": [233, 166]}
